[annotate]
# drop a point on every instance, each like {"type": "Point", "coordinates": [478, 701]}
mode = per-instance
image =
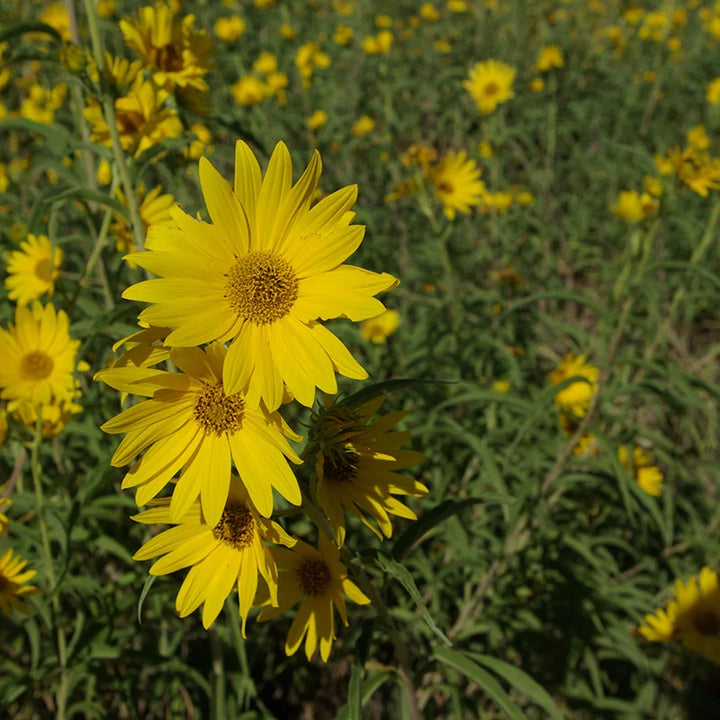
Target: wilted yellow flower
{"type": "Point", "coordinates": [378, 329]}
{"type": "Point", "coordinates": [691, 618]}
{"type": "Point", "coordinates": [490, 83]}
{"type": "Point", "coordinates": [363, 125]}
{"type": "Point", "coordinates": [575, 397]}
{"type": "Point", "coordinates": [550, 57]}
{"type": "Point", "coordinates": [631, 206]}
{"type": "Point", "coordinates": [33, 269]}
{"type": "Point", "coordinates": [317, 119]}
{"type": "Point", "coordinates": [378, 44]}
{"type": "Point", "coordinates": [230, 28]}
{"type": "Point", "coordinates": [648, 476]}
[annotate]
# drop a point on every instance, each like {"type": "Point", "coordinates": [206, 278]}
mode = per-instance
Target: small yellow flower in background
{"type": "Point", "coordinates": [499, 202]}
{"type": "Point", "coordinates": [631, 206]}
{"type": "Point", "coordinates": [230, 28]}
{"type": "Point", "coordinates": [343, 35]}
{"type": "Point", "coordinates": [490, 84]}
{"type": "Point", "coordinates": [202, 143]}
{"type": "Point", "coordinates": [524, 197]}
{"type": "Point", "coordinates": [266, 63]}
{"type": "Point", "coordinates": [362, 126]}
{"type": "Point", "coordinates": [154, 210]}
{"type": "Point", "coordinates": [56, 16]}
{"type": "Point", "coordinates": [549, 57]}
{"type": "Point", "coordinates": [41, 103]}
{"type": "Point", "coordinates": [428, 12]}
{"type": "Point", "coordinates": [317, 119]}
{"type": "Point", "coordinates": [586, 445]}
{"type": "Point", "coordinates": [33, 270]}
{"type": "Point", "coordinates": [378, 329]}
{"type": "Point", "coordinates": [695, 168]}
{"type": "Point", "coordinates": [457, 6]}
{"type": "Point", "coordinates": [344, 7]}
{"type": "Point", "coordinates": [536, 85]}
{"type": "Point", "coordinates": [378, 44]}
{"type": "Point", "coordinates": [264, 4]}
{"type": "Point", "coordinates": [652, 185]}
{"type": "Point", "coordinates": [713, 91]}
{"type": "Point", "coordinates": [38, 356]}
{"type": "Point", "coordinates": [250, 90]}
{"type": "Point", "coordinates": [287, 32]}
{"type": "Point", "coordinates": [357, 468]}
{"type": "Point", "coordinates": [104, 172]}
{"type": "Point", "coordinates": [457, 183]}
{"type": "Point", "coordinates": [319, 581]}
{"type": "Point", "coordinates": [232, 552]}
{"type": "Point", "coordinates": [5, 502]}
{"type": "Point", "coordinates": [648, 476]}
{"type": "Point", "coordinates": [663, 165]}
{"type": "Point", "coordinates": [507, 276]}
{"type": "Point", "coordinates": [419, 154]}
{"type": "Point", "coordinates": [383, 21]}
{"type": "Point", "coordinates": [13, 588]}
{"type": "Point", "coordinates": [692, 617]}
{"type": "Point", "coordinates": [575, 398]}
{"type": "Point", "coordinates": [501, 386]}
{"type": "Point", "coordinates": [105, 8]}
{"type": "Point", "coordinates": [485, 149]}
{"type": "Point", "coordinates": [308, 58]}
{"type": "Point", "coordinates": [697, 138]}
{"type": "Point", "coordinates": [54, 416]}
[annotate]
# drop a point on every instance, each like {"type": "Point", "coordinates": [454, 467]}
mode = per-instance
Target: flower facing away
{"type": "Point", "coordinates": [38, 356]}
{"type": "Point", "coordinates": [33, 269]}
{"type": "Point", "coordinates": [490, 83]}
{"type": "Point", "coordinates": [549, 57]}
{"type": "Point", "coordinates": [378, 329]}
{"type": "Point", "coordinates": [13, 583]}
{"type": "Point", "coordinates": [231, 552]}
{"type": "Point", "coordinates": [54, 416]}
{"type": "Point", "coordinates": [692, 617]}
{"type": "Point", "coordinates": [575, 397]}
{"type": "Point", "coordinates": [260, 276]}
{"type": "Point", "coordinates": [457, 183]}
{"type": "Point", "coordinates": [632, 206]}
{"type": "Point", "coordinates": [318, 580]}
{"type": "Point", "coordinates": [191, 423]}
{"type": "Point", "coordinates": [358, 468]}
{"type": "Point", "coordinates": [179, 54]}
{"type": "Point", "coordinates": [648, 476]}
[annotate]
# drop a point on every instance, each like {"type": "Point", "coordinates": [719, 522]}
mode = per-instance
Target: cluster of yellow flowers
{"type": "Point", "coordinates": [265, 81]}
{"type": "Point", "coordinates": [237, 309]}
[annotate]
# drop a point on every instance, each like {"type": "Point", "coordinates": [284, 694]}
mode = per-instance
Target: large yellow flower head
{"type": "Point", "coordinates": [692, 617]}
{"type": "Point", "coordinates": [575, 398]}
{"type": "Point", "coordinates": [457, 183]}
{"type": "Point", "coordinates": [358, 466]}
{"type": "Point", "coordinates": [228, 553]}
{"type": "Point", "coordinates": [38, 356]}
{"type": "Point", "coordinates": [319, 582]}
{"type": "Point", "coordinates": [13, 583]}
{"type": "Point", "coordinates": [192, 423]}
{"type": "Point", "coordinates": [261, 275]}
{"type": "Point", "coordinates": [33, 269]}
{"type": "Point", "coordinates": [490, 83]}
{"type": "Point", "coordinates": [180, 55]}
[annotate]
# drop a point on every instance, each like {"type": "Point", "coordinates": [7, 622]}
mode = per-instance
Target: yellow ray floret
{"type": "Point", "coordinates": [319, 582]}
{"type": "Point", "coordinates": [13, 587]}
{"type": "Point", "coordinates": [191, 424]}
{"type": "Point", "coordinates": [231, 552]}
{"type": "Point", "coordinates": [268, 267]}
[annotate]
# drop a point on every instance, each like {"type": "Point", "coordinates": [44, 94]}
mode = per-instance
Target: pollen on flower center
{"type": "Point", "coordinates": [707, 623]}
{"type": "Point", "coordinates": [261, 287]}
{"type": "Point", "coordinates": [236, 526]}
{"type": "Point", "coordinates": [218, 412]}
{"type": "Point", "coordinates": [340, 467]}
{"type": "Point", "coordinates": [36, 366]}
{"type": "Point", "coordinates": [42, 269]}
{"type": "Point", "coordinates": [314, 576]}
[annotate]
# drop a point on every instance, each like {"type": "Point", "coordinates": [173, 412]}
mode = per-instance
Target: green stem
{"type": "Point", "coordinates": [218, 666]}
{"type": "Point", "coordinates": [36, 470]}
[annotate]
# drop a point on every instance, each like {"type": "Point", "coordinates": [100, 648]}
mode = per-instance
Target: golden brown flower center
{"type": "Point", "coordinates": [492, 88]}
{"type": "Point", "coordinates": [4, 584]}
{"type": "Point", "coordinates": [707, 623]}
{"type": "Point", "coordinates": [42, 269]}
{"type": "Point", "coordinates": [218, 412]}
{"type": "Point", "coordinates": [314, 576]}
{"type": "Point", "coordinates": [445, 188]}
{"type": "Point", "coordinates": [261, 287]}
{"type": "Point", "coordinates": [340, 467]}
{"type": "Point", "coordinates": [236, 526]}
{"type": "Point", "coordinates": [36, 365]}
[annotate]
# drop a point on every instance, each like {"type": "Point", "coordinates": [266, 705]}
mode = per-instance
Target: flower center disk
{"type": "Point", "coordinates": [314, 577]}
{"type": "Point", "coordinates": [217, 412]}
{"type": "Point", "coordinates": [261, 287]}
{"type": "Point", "coordinates": [236, 526]}
{"type": "Point", "coordinates": [36, 366]}
{"type": "Point", "coordinates": [340, 467]}
{"type": "Point", "coordinates": [42, 269]}
{"type": "Point", "coordinates": [707, 623]}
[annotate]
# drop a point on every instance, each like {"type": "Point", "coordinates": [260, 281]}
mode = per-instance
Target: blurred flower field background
{"type": "Point", "coordinates": [472, 345]}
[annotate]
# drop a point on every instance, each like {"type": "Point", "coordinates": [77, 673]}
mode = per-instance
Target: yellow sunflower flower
{"type": "Point", "coordinates": [696, 169]}
{"type": "Point", "coordinates": [549, 57]}
{"type": "Point", "coordinates": [575, 398]}
{"type": "Point", "coordinates": [318, 580]}
{"type": "Point", "coordinates": [5, 503]}
{"type": "Point", "coordinates": [648, 476]}
{"type": "Point", "coordinates": [261, 275]}
{"type": "Point", "coordinates": [54, 415]}
{"type": "Point", "coordinates": [13, 587]}
{"type": "Point", "coordinates": [692, 617]}
{"type": "Point", "coordinates": [231, 552]}
{"type": "Point", "coordinates": [632, 206]}
{"type": "Point", "coordinates": [357, 468]}
{"type": "Point", "coordinates": [33, 269]}
{"type": "Point", "coordinates": [191, 423]}
{"type": "Point", "coordinates": [378, 329]}
{"type": "Point", "coordinates": [457, 183]}
{"type": "Point", "coordinates": [179, 54]}
{"type": "Point", "coordinates": [38, 356]}
{"type": "Point", "coordinates": [490, 83]}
